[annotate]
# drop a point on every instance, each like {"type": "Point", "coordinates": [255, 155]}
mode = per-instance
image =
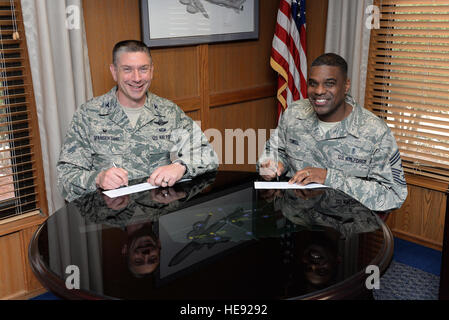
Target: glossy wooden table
{"type": "Point", "coordinates": [215, 237]}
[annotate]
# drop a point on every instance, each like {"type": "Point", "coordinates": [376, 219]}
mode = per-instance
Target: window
{"type": "Point", "coordinates": [408, 81]}
{"type": "Point", "coordinates": [21, 181]}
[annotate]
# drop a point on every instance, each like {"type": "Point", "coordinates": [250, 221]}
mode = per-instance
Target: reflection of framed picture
{"type": "Point", "coordinates": [204, 231]}
{"type": "Point", "coordinates": [187, 22]}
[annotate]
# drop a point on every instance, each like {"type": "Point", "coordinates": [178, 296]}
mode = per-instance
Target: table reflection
{"type": "Point", "coordinates": [212, 238]}
{"type": "Point", "coordinates": [329, 217]}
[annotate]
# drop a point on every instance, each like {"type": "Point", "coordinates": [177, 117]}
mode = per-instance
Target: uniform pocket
{"type": "Point", "coordinates": [360, 172]}
{"type": "Point", "coordinates": [108, 150]}
{"type": "Point", "coordinates": [295, 149]}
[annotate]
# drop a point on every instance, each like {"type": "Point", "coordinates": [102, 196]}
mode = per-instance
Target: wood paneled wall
{"type": "Point", "coordinates": [17, 281]}
{"type": "Point", "coordinates": [421, 217]}
{"type": "Point", "coordinates": [225, 86]}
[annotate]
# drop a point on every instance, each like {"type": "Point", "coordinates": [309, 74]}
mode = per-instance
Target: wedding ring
{"type": "Point", "coordinates": [307, 173]}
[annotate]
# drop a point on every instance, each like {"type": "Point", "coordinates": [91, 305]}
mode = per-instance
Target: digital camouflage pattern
{"type": "Point", "coordinates": [331, 208]}
{"type": "Point", "coordinates": [140, 206]}
{"type": "Point", "coordinates": [101, 135]}
{"type": "Point", "coordinates": [360, 153]}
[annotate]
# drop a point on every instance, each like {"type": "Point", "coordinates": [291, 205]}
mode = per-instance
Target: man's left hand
{"type": "Point", "coordinates": [309, 175]}
{"type": "Point", "coordinates": [166, 176]}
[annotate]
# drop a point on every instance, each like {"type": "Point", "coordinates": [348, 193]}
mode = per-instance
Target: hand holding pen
{"type": "Point", "coordinates": [112, 178]}
{"type": "Point", "coordinates": [270, 170]}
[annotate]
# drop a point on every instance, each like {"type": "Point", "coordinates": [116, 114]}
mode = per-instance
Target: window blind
{"type": "Point", "coordinates": [21, 180]}
{"type": "Point", "coordinates": [408, 81]}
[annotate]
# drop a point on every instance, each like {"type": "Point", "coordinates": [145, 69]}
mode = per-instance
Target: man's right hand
{"type": "Point", "coordinates": [269, 169]}
{"type": "Point", "coordinates": [112, 178]}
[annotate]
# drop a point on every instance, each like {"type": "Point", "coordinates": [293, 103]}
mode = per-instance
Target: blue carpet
{"type": "Point", "coordinates": [403, 282]}
{"type": "Point", "coordinates": [413, 273]}
{"type": "Point", "coordinates": [46, 296]}
{"type": "Point", "coordinates": [420, 257]}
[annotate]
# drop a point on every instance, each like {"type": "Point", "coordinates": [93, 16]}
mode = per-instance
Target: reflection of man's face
{"type": "Point", "coordinates": [144, 254]}
{"type": "Point", "coordinates": [142, 249]}
{"type": "Point", "coordinates": [319, 264]}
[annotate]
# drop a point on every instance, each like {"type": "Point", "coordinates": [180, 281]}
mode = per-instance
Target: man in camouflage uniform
{"type": "Point", "coordinates": [130, 133]}
{"type": "Point", "coordinates": [329, 139]}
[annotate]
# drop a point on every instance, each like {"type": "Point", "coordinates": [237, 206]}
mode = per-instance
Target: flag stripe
{"type": "Point", "coordinates": [288, 54]}
{"type": "Point", "coordinates": [294, 55]}
{"type": "Point", "coordinates": [291, 73]}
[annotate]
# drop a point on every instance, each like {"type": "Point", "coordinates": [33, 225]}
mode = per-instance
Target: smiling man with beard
{"type": "Point", "coordinates": [331, 140]}
{"type": "Point", "coordinates": [130, 133]}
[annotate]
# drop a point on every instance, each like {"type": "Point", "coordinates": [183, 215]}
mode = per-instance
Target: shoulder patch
{"type": "Point", "coordinates": [396, 169]}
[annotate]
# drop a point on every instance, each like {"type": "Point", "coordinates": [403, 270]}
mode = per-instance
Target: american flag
{"type": "Point", "coordinates": [288, 55]}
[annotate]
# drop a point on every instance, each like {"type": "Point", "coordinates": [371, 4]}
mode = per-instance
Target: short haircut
{"type": "Point", "coordinates": [332, 59]}
{"type": "Point", "coordinates": [129, 46]}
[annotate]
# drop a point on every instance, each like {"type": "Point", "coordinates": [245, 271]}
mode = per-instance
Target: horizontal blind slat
{"type": "Point", "coordinates": [407, 138]}
{"type": "Point", "coordinates": [412, 69]}
{"type": "Point", "coordinates": [418, 40]}
{"type": "Point", "coordinates": [384, 104]}
{"type": "Point", "coordinates": [411, 98]}
{"type": "Point", "coordinates": [432, 154]}
{"type": "Point", "coordinates": [443, 133]}
{"type": "Point", "coordinates": [417, 91]}
{"type": "Point", "coordinates": [437, 124]}
{"type": "Point", "coordinates": [409, 83]}
{"type": "Point", "coordinates": [413, 2]}
{"type": "Point", "coordinates": [408, 54]}
{"type": "Point", "coordinates": [397, 75]}
{"type": "Point", "coordinates": [415, 9]}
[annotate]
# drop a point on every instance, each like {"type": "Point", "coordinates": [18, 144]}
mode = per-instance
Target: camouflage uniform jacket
{"type": "Point", "coordinates": [101, 135]}
{"type": "Point", "coordinates": [360, 154]}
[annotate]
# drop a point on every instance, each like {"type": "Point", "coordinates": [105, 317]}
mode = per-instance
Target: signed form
{"type": "Point", "coordinates": [133, 189]}
{"type": "Point", "coordinates": [285, 185]}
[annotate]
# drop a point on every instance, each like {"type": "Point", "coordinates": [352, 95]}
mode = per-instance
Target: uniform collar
{"type": "Point", "coordinates": [347, 126]}
{"type": "Point", "coordinates": [112, 108]}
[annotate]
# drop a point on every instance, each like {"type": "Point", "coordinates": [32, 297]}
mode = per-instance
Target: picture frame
{"type": "Point", "coordinates": [167, 23]}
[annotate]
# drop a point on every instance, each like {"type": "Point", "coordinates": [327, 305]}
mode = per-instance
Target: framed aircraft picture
{"type": "Point", "coordinates": [168, 23]}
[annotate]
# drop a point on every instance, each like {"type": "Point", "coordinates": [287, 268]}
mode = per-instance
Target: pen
{"type": "Point", "coordinates": [276, 172]}
{"type": "Point", "coordinates": [115, 166]}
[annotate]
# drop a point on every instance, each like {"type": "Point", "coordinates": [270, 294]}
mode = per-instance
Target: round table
{"type": "Point", "coordinates": [214, 237]}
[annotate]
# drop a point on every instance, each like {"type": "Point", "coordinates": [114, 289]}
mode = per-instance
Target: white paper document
{"type": "Point", "coordinates": [133, 189]}
{"type": "Point", "coordinates": [285, 185]}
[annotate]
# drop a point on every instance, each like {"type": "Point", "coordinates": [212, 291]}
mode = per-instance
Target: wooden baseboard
{"type": "Point", "coordinates": [417, 239]}
{"type": "Point", "coordinates": [21, 222]}
{"type": "Point", "coordinates": [27, 295]}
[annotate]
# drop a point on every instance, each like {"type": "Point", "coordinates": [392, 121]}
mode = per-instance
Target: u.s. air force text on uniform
{"type": "Point", "coordinates": [101, 135]}
{"type": "Point", "coordinates": [360, 153]}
